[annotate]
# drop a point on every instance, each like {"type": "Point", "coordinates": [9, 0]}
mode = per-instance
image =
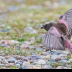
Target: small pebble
{"type": "Point", "coordinates": [33, 63]}
{"type": "Point", "coordinates": [47, 67]}
{"type": "Point", "coordinates": [26, 63]}
{"type": "Point", "coordinates": [36, 57]}
{"type": "Point", "coordinates": [57, 59]}
{"type": "Point", "coordinates": [55, 53]}
{"type": "Point", "coordinates": [24, 59]}
{"type": "Point", "coordinates": [39, 49]}
{"type": "Point", "coordinates": [52, 60]}
{"type": "Point", "coordinates": [11, 60]}
{"type": "Point", "coordinates": [63, 61]}
{"type": "Point", "coordinates": [4, 30]}
{"type": "Point", "coordinates": [31, 47]}
{"type": "Point", "coordinates": [44, 53]}
{"type": "Point", "coordinates": [11, 64]}
{"type": "Point", "coordinates": [34, 67]}
{"type": "Point", "coordinates": [24, 46]}
{"type": "Point", "coordinates": [23, 67]}
{"type": "Point", "coordinates": [7, 57]}
{"type": "Point", "coordinates": [19, 62]}
{"type": "Point", "coordinates": [61, 67]}
{"type": "Point", "coordinates": [17, 65]}
{"type": "Point", "coordinates": [41, 62]}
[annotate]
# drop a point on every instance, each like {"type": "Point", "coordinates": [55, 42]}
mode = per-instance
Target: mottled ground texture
{"type": "Point", "coordinates": [21, 36]}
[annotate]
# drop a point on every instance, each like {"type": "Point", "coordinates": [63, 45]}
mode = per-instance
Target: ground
{"type": "Point", "coordinates": [17, 15]}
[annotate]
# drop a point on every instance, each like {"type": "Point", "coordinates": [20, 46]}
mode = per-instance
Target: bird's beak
{"type": "Point", "coordinates": [42, 27]}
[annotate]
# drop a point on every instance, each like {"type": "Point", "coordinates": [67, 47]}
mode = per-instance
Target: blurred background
{"type": "Point", "coordinates": [16, 15]}
{"type": "Point", "coordinates": [20, 22]}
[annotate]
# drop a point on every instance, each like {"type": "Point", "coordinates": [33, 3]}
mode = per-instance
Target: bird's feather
{"type": "Point", "coordinates": [53, 40]}
{"type": "Point", "coordinates": [66, 18]}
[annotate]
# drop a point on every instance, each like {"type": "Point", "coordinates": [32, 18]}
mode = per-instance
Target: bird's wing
{"type": "Point", "coordinates": [66, 19]}
{"type": "Point", "coordinates": [52, 40]}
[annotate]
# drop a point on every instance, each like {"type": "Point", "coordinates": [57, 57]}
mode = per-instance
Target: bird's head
{"type": "Point", "coordinates": [47, 25]}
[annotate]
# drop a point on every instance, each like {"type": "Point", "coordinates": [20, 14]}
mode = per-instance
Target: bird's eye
{"type": "Point", "coordinates": [60, 17]}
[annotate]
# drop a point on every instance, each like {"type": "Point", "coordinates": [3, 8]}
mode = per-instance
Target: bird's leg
{"type": "Point", "coordinates": [66, 49]}
{"type": "Point", "coordinates": [68, 45]}
{"type": "Point", "coordinates": [71, 56]}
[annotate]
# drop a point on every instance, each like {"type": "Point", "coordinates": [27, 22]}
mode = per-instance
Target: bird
{"type": "Point", "coordinates": [53, 37]}
{"type": "Point", "coordinates": [57, 35]}
{"type": "Point", "coordinates": [66, 18]}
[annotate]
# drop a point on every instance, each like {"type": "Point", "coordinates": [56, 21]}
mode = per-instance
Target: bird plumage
{"type": "Point", "coordinates": [66, 18]}
{"type": "Point", "coordinates": [57, 36]}
{"type": "Point", "coordinates": [52, 38]}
